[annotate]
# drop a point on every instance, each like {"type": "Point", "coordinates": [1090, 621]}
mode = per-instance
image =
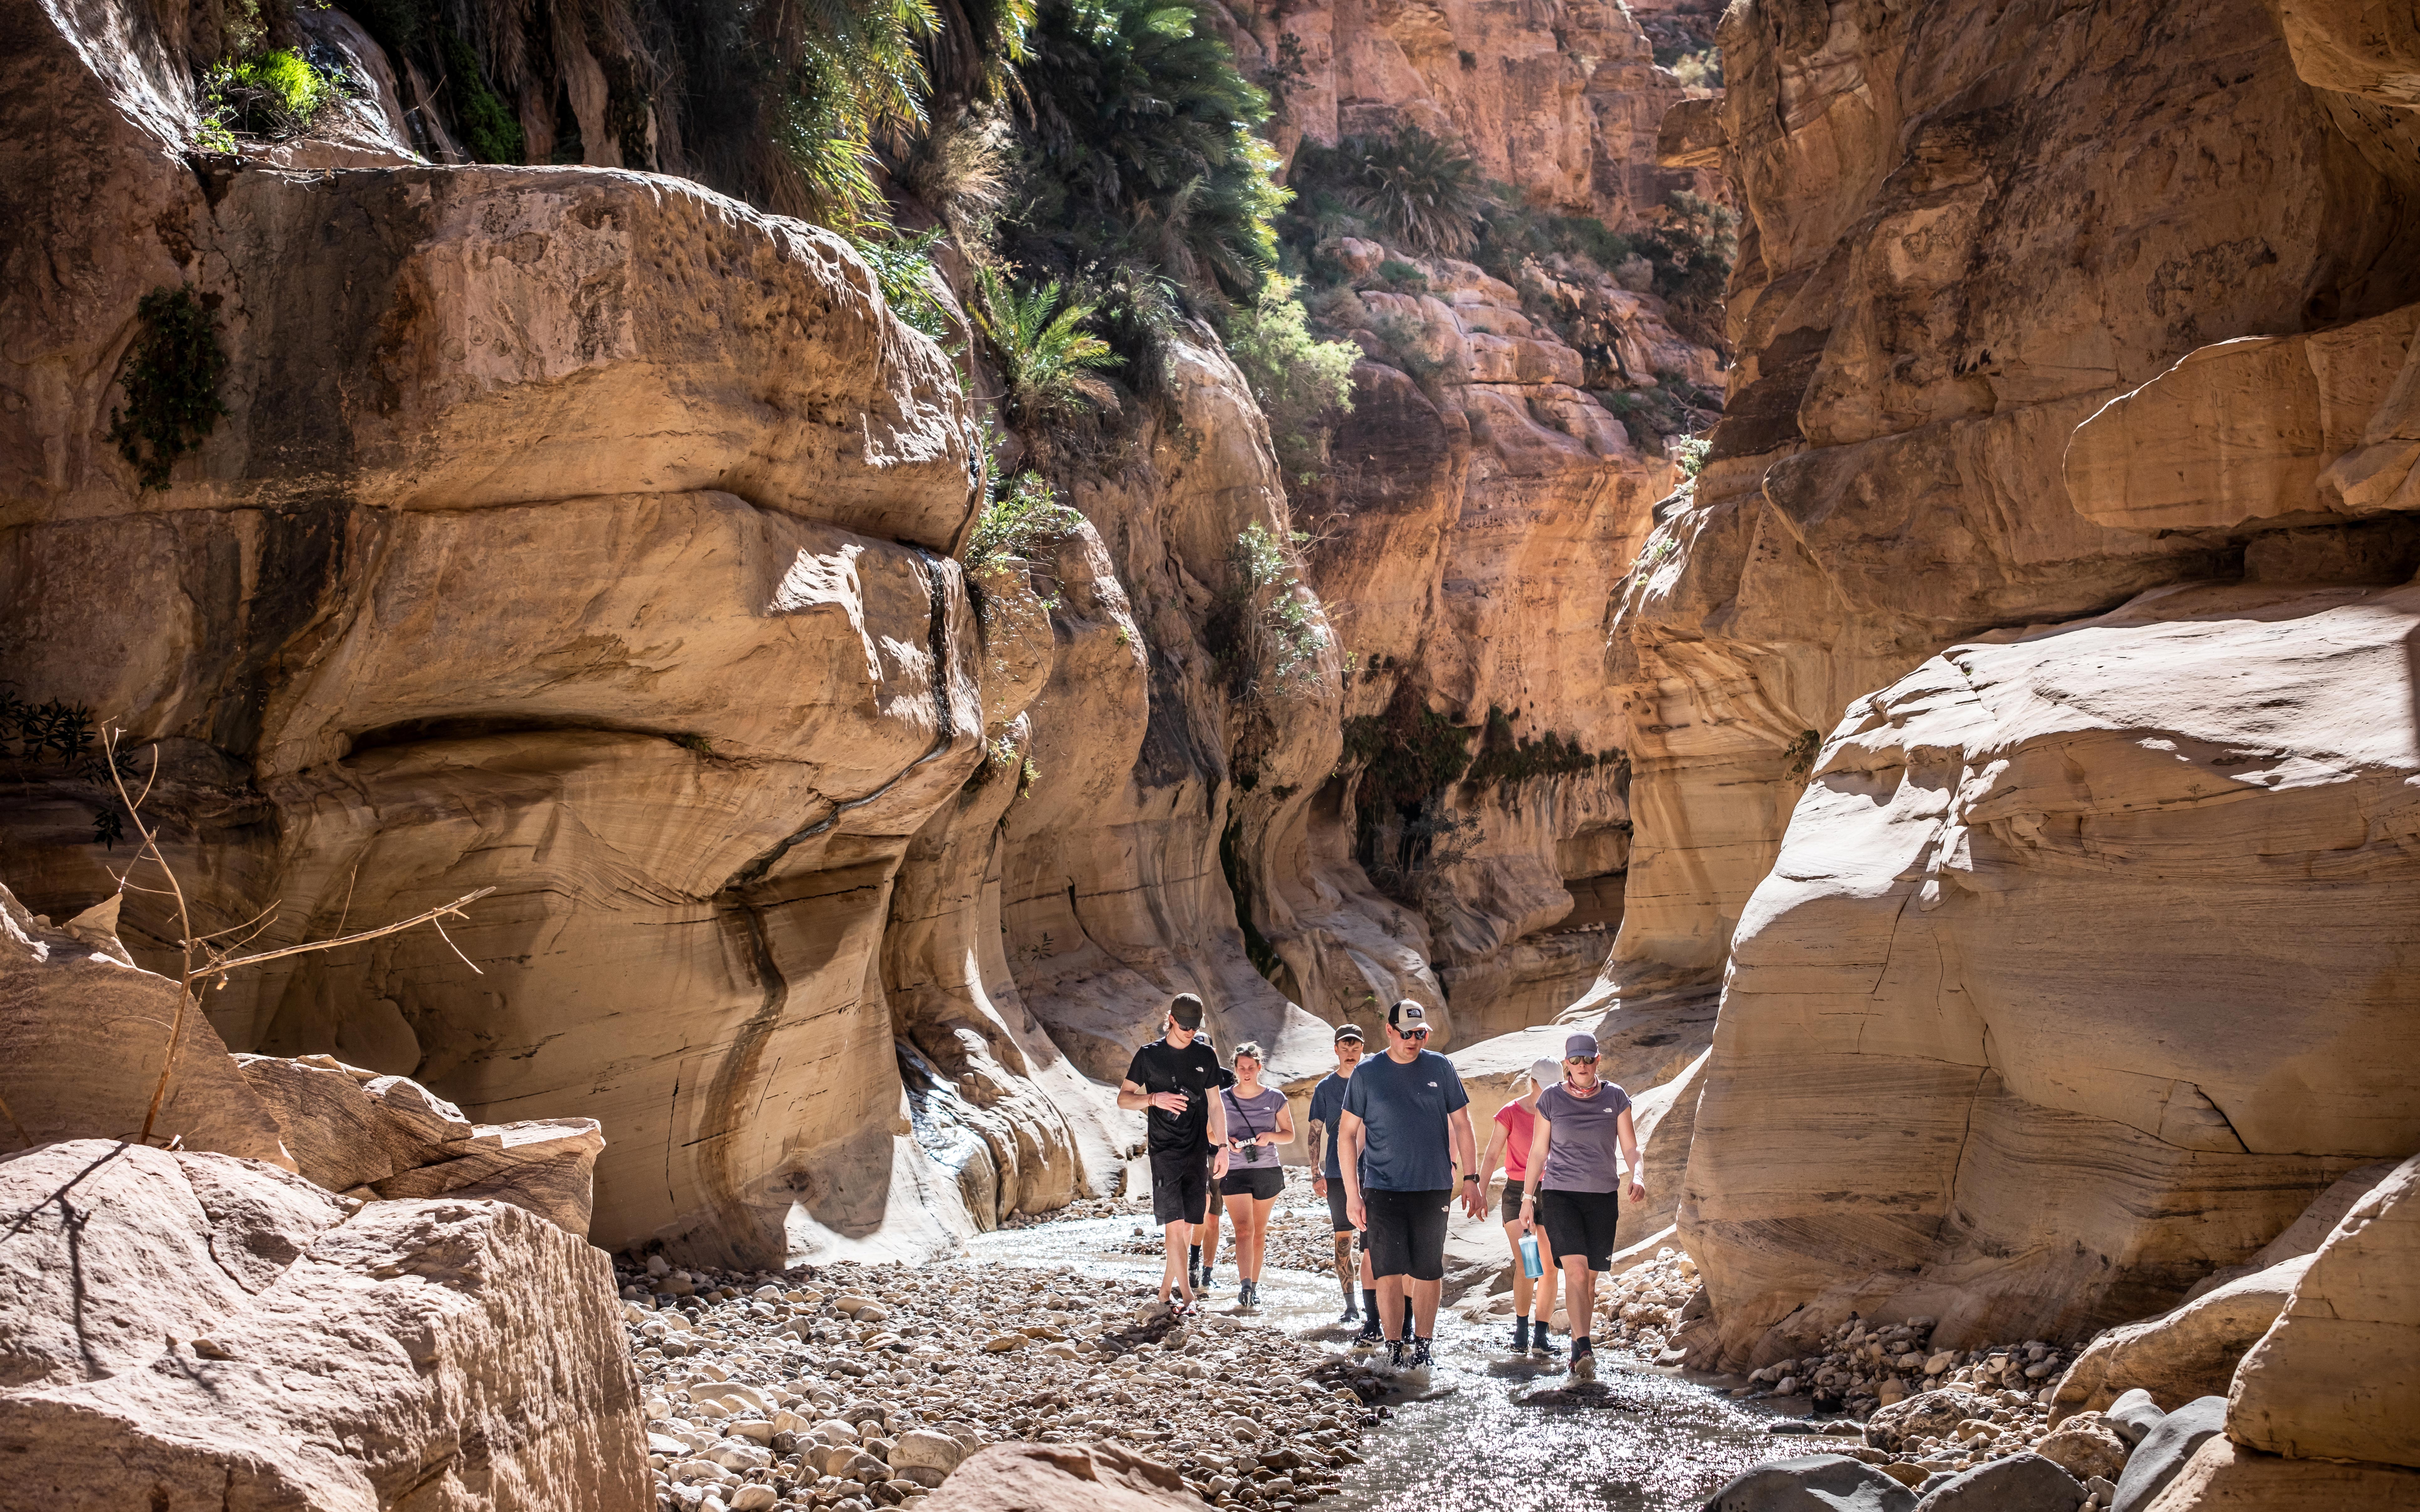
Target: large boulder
{"type": "Point", "coordinates": [2224, 1477]}
{"type": "Point", "coordinates": [356, 1132]}
{"type": "Point", "coordinates": [1056, 1477]}
{"type": "Point", "coordinates": [1950, 986]}
{"type": "Point", "coordinates": [84, 1034]}
{"type": "Point", "coordinates": [1814, 1483]}
{"type": "Point", "coordinates": [2021, 1483]}
{"type": "Point", "coordinates": [189, 1330]}
{"type": "Point", "coordinates": [2162, 1455]}
{"type": "Point", "coordinates": [2188, 1352]}
{"type": "Point", "coordinates": [2337, 1376]}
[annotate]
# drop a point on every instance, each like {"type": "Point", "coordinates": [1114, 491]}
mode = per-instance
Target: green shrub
{"type": "Point", "coordinates": [1046, 356]}
{"type": "Point", "coordinates": [903, 266]}
{"type": "Point", "coordinates": [1516, 233]}
{"type": "Point", "coordinates": [1692, 255]}
{"type": "Point", "coordinates": [1022, 517]}
{"type": "Point", "coordinates": [1701, 70]}
{"type": "Point", "coordinates": [172, 384]}
{"type": "Point", "coordinates": [1509, 761]}
{"type": "Point", "coordinates": [1299, 381]}
{"type": "Point", "coordinates": [1419, 192]}
{"type": "Point", "coordinates": [1265, 630]}
{"type": "Point", "coordinates": [1690, 453]}
{"type": "Point", "coordinates": [489, 130]}
{"type": "Point", "coordinates": [1403, 275]}
{"type": "Point", "coordinates": [272, 94]}
{"type": "Point", "coordinates": [1139, 148]}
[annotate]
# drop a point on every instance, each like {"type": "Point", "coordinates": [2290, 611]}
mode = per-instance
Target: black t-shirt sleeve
{"type": "Point", "coordinates": [1138, 1069]}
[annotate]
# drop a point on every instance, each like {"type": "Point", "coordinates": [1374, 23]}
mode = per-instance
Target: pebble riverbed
{"type": "Point", "coordinates": [859, 1386]}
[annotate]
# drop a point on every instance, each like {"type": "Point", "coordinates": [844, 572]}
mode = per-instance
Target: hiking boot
{"type": "Point", "coordinates": [1543, 1344]}
{"type": "Point", "coordinates": [1371, 1335]}
{"type": "Point", "coordinates": [1521, 1340]}
{"type": "Point", "coordinates": [1417, 1357]}
{"type": "Point", "coordinates": [1395, 1354]}
{"type": "Point", "coordinates": [1584, 1365]}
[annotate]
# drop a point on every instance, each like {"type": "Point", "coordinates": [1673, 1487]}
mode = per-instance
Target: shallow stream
{"type": "Point", "coordinates": [1465, 1447]}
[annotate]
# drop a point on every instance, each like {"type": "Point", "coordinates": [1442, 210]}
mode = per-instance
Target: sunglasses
{"type": "Point", "coordinates": [1581, 1060]}
{"type": "Point", "coordinates": [1413, 1034]}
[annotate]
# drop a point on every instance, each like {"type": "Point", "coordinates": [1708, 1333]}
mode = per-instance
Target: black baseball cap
{"type": "Point", "coordinates": [1185, 1010]}
{"type": "Point", "coordinates": [1348, 1031]}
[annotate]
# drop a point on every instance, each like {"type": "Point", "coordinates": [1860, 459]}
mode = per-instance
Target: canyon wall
{"type": "Point", "coordinates": [1560, 102]}
{"type": "Point", "coordinates": [588, 537]}
{"type": "Point", "coordinates": [2088, 447]}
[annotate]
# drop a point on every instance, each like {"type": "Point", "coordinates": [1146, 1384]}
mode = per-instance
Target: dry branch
{"type": "Point", "coordinates": [220, 961]}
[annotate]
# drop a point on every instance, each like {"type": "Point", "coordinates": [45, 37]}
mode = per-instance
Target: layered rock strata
{"type": "Point", "coordinates": [2126, 441]}
{"type": "Point", "coordinates": [1951, 927]}
{"type": "Point", "coordinates": [1562, 104]}
{"type": "Point", "coordinates": [1465, 527]}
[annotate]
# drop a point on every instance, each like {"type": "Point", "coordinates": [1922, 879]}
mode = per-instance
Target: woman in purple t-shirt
{"type": "Point", "coordinates": [1258, 1122]}
{"type": "Point", "coordinates": [1572, 1185]}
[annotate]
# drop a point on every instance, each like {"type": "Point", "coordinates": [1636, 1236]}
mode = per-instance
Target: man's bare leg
{"type": "Point", "coordinates": [1171, 1275]}
{"type": "Point", "coordinates": [1390, 1306]}
{"type": "Point", "coordinates": [1344, 1271]}
{"type": "Point", "coordinates": [1425, 1296]}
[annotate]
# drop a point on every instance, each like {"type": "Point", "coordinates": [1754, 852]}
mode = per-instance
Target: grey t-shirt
{"type": "Point", "coordinates": [1584, 1153]}
{"type": "Point", "coordinates": [1249, 1116]}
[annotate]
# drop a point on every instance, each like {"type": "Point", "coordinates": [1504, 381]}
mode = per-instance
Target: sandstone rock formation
{"type": "Point", "coordinates": [1467, 526]}
{"type": "Point", "coordinates": [191, 1330]}
{"type": "Point", "coordinates": [692, 683]}
{"type": "Point", "coordinates": [84, 1037]}
{"type": "Point", "coordinates": [370, 1137]}
{"type": "Point", "coordinates": [1043, 1477]}
{"type": "Point", "coordinates": [2337, 1377]}
{"type": "Point", "coordinates": [1562, 103]}
{"type": "Point", "coordinates": [1995, 380]}
{"type": "Point", "coordinates": [1947, 928]}
{"type": "Point", "coordinates": [1923, 327]}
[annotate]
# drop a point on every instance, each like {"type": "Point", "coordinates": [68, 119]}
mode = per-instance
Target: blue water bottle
{"type": "Point", "coordinates": [1532, 1265]}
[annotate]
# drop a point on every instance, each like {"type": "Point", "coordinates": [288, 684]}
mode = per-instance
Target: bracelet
{"type": "Point", "coordinates": [1470, 1177]}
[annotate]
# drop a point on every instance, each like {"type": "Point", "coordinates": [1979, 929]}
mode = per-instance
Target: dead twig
{"type": "Point", "coordinates": [219, 968]}
{"type": "Point", "coordinates": [221, 961]}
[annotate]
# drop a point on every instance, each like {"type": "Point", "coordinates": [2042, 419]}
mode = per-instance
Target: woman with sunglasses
{"type": "Point", "coordinates": [1573, 1184]}
{"type": "Point", "coordinates": [1258, 1120]}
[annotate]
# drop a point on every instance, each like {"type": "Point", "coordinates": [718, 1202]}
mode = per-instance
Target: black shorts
{"type": "Point", "coordinates": [1581, 1224]}
{"type": "Point", "coordinates": [1180, 1186]}
{"type": "Point", "coordinates": [1252, 1182]}
{"type": "Point", "coordinates": [1512, 1202]}
{"type": "Point", "coordinates": [1337, 1221]}
{"type": "Point", "coordinates": [1407, 1233]}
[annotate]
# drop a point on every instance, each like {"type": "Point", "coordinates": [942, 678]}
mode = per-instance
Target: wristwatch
{"type": "Point", "coordinates": [1470, 1177]}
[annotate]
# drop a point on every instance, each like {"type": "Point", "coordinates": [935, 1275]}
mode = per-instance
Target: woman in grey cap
{"type": "Point", "coordinates": [1515, 1130]}
{"type": "Point", "coordinates": [1573, 1182]}
{"type": "Point", "coordinates": [1258, 1120]}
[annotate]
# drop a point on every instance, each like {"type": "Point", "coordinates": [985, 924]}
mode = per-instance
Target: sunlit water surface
{"type": "Point", "coordinates": [1665, 1446]}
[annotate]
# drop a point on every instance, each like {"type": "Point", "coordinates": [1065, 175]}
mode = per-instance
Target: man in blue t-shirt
{"type": "Point", "coordinates": [1406, 1126]}
{"type": "Point", "coordinates": [1327, 1117]}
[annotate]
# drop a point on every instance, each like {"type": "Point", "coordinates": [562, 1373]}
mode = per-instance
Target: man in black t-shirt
{"type": "Point", "coordinates": [1177, 1077]}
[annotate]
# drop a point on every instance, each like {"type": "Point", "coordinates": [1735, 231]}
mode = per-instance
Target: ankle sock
{"type": "Point", "coordinates": [1520, 1333]}
{"type": "Point", "coordinates": [1580, 1345]}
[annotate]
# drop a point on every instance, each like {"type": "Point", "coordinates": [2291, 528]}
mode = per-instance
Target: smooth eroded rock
{"type": "Point", "coordinates": [443, 1353]}
{"type": "Point", "coordinates": [2162, 1455]}
{"type": "Point", "coordinates": [2337, 1376]}
{"type": "Point", "coordinates": [1050, 1478]}
{"type": "Point", "coordinates": [2021, 1483]}
{"type": "Point", "coordinates": [1817, 1482]}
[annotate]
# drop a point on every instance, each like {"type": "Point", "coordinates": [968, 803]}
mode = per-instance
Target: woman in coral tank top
{"type": "Point", "coordinates": [1533, 1301]}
